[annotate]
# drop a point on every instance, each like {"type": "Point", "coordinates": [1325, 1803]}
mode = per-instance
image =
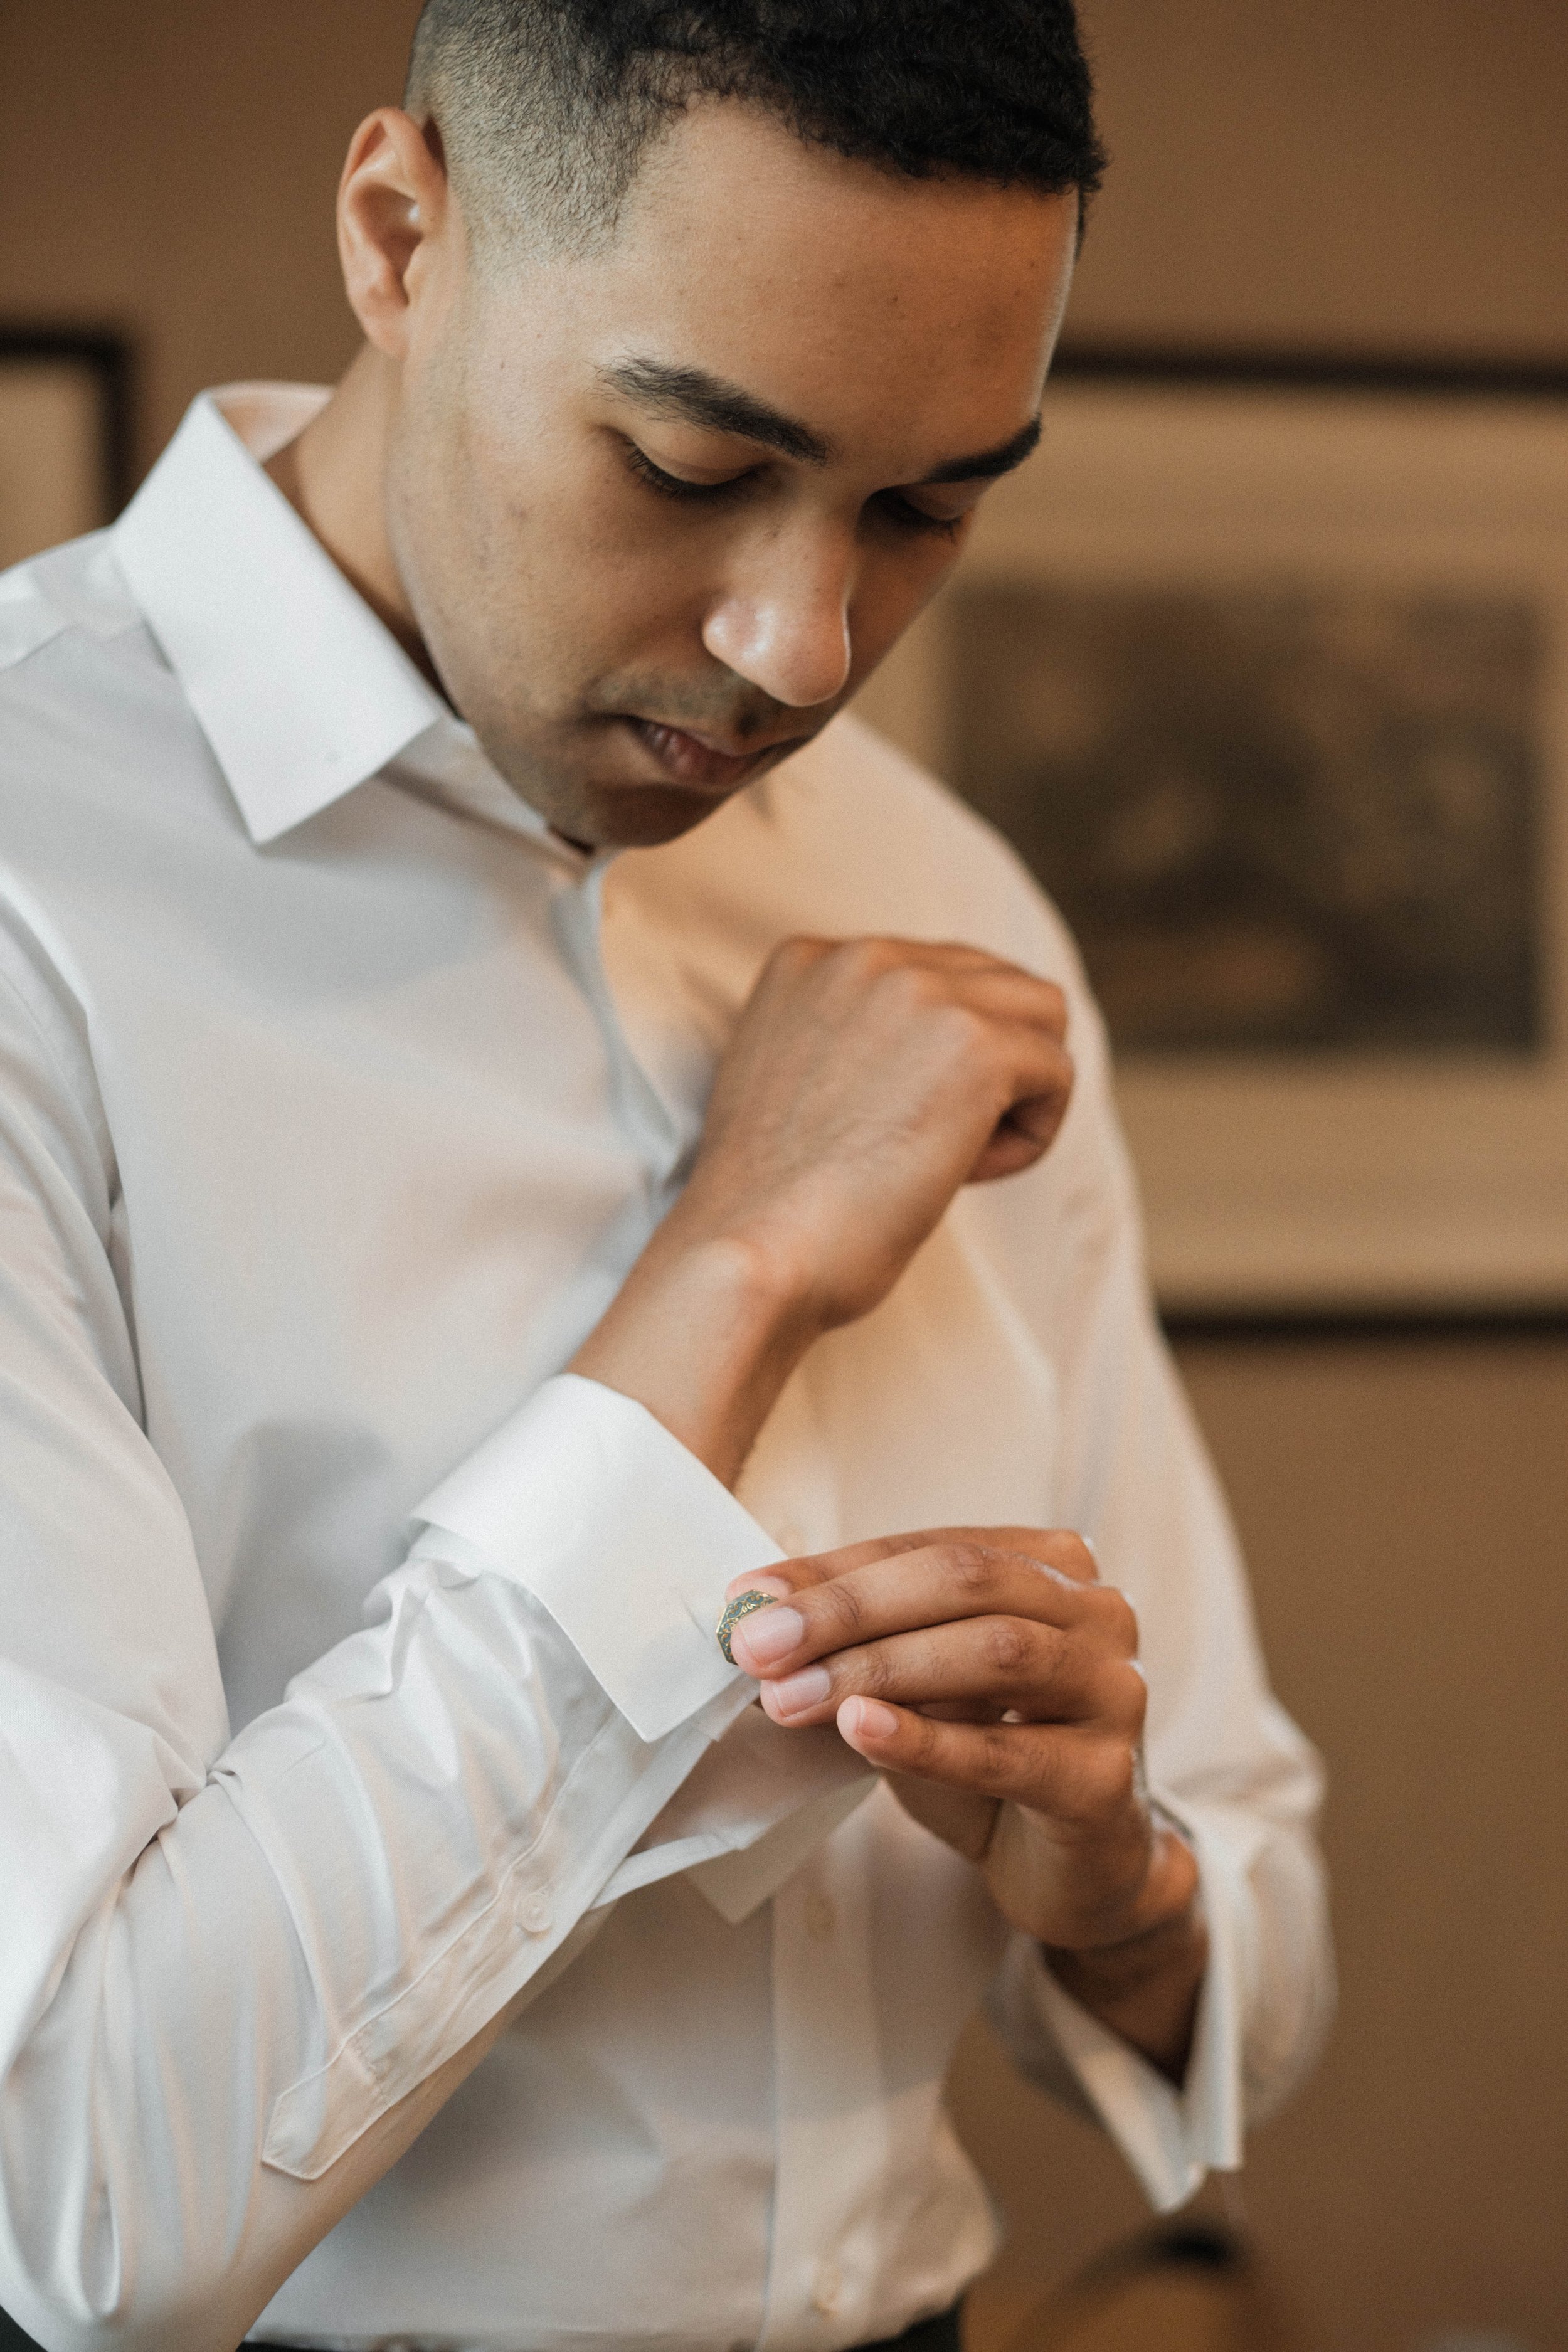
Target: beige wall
{"type": "Point", "coordinates": [1386, 173]}
{"type": "Point", "coordinates": [1382, 172]}
{"type": "Point", "coordinates": [170, 165]}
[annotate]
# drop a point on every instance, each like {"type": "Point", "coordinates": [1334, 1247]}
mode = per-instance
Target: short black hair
{"type": "Point", "coordinates": [545, 107]}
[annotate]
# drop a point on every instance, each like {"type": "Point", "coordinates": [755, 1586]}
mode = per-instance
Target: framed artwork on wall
{"type": "Point", "coordinates": [65, 436]}
{"type": "Point", "coordinates": [1262, 666]}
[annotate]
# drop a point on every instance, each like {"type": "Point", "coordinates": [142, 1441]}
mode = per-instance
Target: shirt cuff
{"type": "Point", "coordinates": [758, 1802]}
{"type": "Point", "coordinates": [589, 1503]}
{"type": "Point", "coordinates": [1172, 2137]}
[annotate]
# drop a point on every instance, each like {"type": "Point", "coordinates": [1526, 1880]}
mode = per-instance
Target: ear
{"type": "Point", "coordinates": [395, 204]}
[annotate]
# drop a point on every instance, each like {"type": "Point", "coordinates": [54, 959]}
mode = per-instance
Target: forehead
{"type": "Point", "coordinates": [875, 306]}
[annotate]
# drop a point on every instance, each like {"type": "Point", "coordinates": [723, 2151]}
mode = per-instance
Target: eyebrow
{"type": "Point", "coordinates": [987, 464]}
{"type": "Point", "coordinates": [695, 397]}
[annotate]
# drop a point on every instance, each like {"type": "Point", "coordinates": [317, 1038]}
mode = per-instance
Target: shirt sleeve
{"type": "Point", "coordinates": [226, 1961]}
{"type": "Point", "coordinates": [1225, 1761]}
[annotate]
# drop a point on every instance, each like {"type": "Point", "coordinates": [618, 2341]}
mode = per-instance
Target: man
{"type": "Point", "coordinates": [418, 1218]}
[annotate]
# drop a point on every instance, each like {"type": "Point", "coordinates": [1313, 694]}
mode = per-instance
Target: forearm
{"type": "Point", "coordinates": [703, 1336]}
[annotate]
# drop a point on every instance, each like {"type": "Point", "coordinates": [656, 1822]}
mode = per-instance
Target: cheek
{"type": "Point", "coordinates": [537, 598]}
{"type": "Point", "coordinates": [892, 593]}
{"type": "Point", "coordinates": [469, 543]}
{"type": "Point", "coordinates": [554, 513]}
{"type": "Point", "coordinates": [445, 535]}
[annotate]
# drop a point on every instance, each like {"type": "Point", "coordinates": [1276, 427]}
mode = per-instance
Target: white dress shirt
{"type": "Point", "coordinates": [357, 1668]}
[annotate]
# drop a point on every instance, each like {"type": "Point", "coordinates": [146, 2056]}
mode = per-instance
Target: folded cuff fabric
{"type": "Point", "coordinates": [582, 1474]}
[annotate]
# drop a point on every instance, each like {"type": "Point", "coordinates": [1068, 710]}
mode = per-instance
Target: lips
{"type": "Point", "coordinates": [691, 760]}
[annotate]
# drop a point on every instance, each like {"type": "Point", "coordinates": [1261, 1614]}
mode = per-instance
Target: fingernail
{"type": "Point", "coordinates": [801, 1691]}
{"type": "Point", "coordinates": [768, 1637]}
{"type": "Point", "coordinates": [867, 1718]}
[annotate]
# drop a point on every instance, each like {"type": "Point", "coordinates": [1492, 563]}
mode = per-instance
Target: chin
{"type": "Point", "coordinates": [642, 816]}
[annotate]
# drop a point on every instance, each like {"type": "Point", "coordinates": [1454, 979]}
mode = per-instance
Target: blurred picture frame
{"type": "Point", "coordinates": [1261, 663]}
{"type": "Point", "coordinates": [65, 434]}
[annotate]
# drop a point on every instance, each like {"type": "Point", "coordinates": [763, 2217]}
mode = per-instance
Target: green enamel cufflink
{"type": "Point", "coordinates": [743, 1604]}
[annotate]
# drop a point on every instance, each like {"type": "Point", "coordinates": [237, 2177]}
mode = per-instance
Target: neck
{"type": "Point", "coordinates": [333, 475]}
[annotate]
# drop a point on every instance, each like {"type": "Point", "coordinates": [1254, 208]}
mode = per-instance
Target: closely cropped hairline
{"type": "Point", "coordinates": [566, 189]}
{"type": "Point", "coordinates": [493, 225]}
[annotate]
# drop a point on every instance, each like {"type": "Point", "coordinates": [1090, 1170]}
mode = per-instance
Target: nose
{"type": "Point", "coordinates": [783, 620]}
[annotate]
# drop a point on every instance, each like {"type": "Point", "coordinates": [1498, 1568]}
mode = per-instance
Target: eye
{"type": "Point", "coordinates": [672, 486]}
{"type": "Point", "coordinates": [906, 516]}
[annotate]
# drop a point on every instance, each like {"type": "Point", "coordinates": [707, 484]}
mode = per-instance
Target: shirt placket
{"type": "Point", "coordinates": [831, 2112]}
{"type": "Point", "coordinates": [647, 1121]}
{"type": "Point", "coordinates": [831, 2127]}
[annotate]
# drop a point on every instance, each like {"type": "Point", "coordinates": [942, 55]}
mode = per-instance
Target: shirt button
{"type": "Point", "coordinates": [534, 1914]}
{"type": "Point", "coordinates": [821, 1918]}
{"type": "Point", "coordinates": [829, 2286]}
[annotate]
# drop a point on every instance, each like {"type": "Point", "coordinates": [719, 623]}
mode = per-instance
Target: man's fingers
{"type": "Point", "coordinates": [1070, 1554]}
{"type": "Point", "coordinates": [1025, 1026]}
{"type": "Point", "coordinates": [937, 973]}
{"type": "Point", "coordinates": [1009, 997]}
{"type": "Point", "coordinates": [977, 1757]}
{"type": "Point", "coordinates": [967, 971]}
{"type": "Point", "coordinates": [820, 1611]}
{"type": "Point", "coordinates": [1029, 1127]}
{"type": "Point", "coordinates": [983, 1666]}
{"type": "Point", "coordinates": [1067, 1773]}
{"type": "Point", "coordinates": [1016, 1024]}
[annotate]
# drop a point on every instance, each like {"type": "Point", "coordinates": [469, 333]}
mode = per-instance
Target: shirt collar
{"type": "Point", "coordinates": [301, 692]}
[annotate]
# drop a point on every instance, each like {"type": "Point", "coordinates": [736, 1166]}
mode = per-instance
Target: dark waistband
{"type": "Point", "coordinates": [938, 2335]}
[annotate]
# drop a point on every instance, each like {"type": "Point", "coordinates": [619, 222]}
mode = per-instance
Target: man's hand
{"type": "Point", "coordinates": [993, 1677]}
{"type": "Point", "coordinates": [866, 1082]}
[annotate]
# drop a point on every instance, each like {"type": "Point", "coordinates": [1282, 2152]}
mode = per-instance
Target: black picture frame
{"type": "Point", "coordinates": [106, 358]}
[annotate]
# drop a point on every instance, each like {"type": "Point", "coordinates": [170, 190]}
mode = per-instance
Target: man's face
{"type": "Point", "coordinates": [660, 510]}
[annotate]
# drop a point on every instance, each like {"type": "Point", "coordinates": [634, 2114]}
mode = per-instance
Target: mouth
{"type": "Point", "coordinates": [698, 761]}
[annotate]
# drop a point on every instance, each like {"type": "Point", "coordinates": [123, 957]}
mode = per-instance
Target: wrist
{"type": "Point", "coordinates": [1145, 1985]}
{"type": "Point", "coordinates": [723, 1294]}
{"type": "Point", "coordinates": [1166, 1902]}
{"type": "Point", "coordinates": [770, 1263]}
{"type": "Point", "coordinates": [703, 1334]}
{"type": "Point", "coordinates": [1134, 1961]}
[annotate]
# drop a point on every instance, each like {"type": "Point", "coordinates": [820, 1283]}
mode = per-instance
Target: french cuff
{"type": "Point", "coordinates": [754, 1807]}
{"type": "Point", "coordinates": [589, 1503]}
{"type": "Point", "coordinates": [1172, 2137]}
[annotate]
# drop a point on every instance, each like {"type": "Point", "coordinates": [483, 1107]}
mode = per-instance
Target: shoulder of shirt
{"type": "Point", "coordinates": [897, 835]}
{"type": "Point", "coordinates": [72, 596]}
{"type": "Point", "coordinates": [76, 588]}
